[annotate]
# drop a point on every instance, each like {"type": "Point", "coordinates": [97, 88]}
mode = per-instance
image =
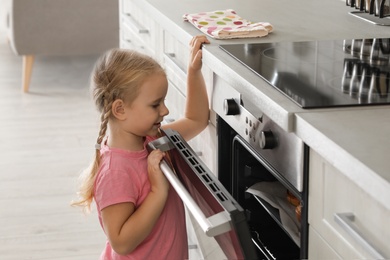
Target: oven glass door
{"type": "Point", "coordinates": [263, 192]}
{"type": "Point", "coordinates": [218, 214]}
{"type": "Point", "coordinates": [276, 230]}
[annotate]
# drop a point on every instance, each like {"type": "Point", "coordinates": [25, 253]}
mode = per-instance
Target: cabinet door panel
{"type": "Point", "coordinates": [177, 52]}
{"type": "Point", "coordinates": [333, 199]}
{"type": "Point", "coordinates": [175, 102]}
{"type": "Point", "coordinates": [177, 76]}
{"type": "Point", "coordinates": [130, 40]}
{"type": "Point", "coordinates": [203, 144]}
{"type": "Point", "coordinates": [319, 248]}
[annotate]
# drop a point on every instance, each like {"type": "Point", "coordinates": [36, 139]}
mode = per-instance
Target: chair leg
{"type": "Point", "coordinates": [28, 61]}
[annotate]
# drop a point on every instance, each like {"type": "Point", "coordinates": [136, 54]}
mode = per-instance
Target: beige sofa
{"type": "Point", "coordinates": [61, 27]}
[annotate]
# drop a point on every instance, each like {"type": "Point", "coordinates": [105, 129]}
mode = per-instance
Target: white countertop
{"type": "Point", "coordinates": [354, 140]}
{"type": "Point", "coordinates": [293, 21]}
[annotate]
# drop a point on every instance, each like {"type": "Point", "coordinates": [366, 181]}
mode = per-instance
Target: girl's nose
{"type": "Point", "coordinates": [164, 110]}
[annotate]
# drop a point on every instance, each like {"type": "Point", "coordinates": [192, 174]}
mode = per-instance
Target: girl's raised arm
{"type": "Point", "coordinates": [197, 106]}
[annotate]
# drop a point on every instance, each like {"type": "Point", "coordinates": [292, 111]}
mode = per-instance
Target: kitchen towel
{"type": "Point", "coordinates": [226, 24]}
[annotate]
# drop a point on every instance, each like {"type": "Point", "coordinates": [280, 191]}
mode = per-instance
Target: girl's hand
{"type": "Point", "coordinates": [196, 51]}
{"type": "Point", "coordinates": [158, 181]}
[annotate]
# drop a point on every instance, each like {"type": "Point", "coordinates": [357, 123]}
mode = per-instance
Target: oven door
{"type": "Point", "coordinates": [217, 213]}
{"type": "Point", "coordinates": [265, 194]}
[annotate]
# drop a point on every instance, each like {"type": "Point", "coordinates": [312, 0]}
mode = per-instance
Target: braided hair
{"type": "Point", "coordinates": [118, 74]}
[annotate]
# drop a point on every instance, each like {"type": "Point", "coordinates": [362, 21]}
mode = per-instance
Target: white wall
{"type": "Point", "coordinates": [4, 6]}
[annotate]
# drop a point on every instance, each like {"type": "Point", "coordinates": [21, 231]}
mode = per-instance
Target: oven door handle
{"type": "Point", "coordinates": [212, 226]}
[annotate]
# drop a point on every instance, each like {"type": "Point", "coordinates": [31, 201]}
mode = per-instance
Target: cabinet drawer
{"type": "Point", "coordinates": [175, 74]}
{"type": "Point", "coordinates": [176, 52]}
{"type": "Point", "coordinates": [138, 27]}
{"type": "Point", "coordinates": [129, 40]}
{"type": "Point", "coordinates": [178, 77]}
{"type": "Point", "coordinates": [351, 221]}
{"type": "Point", "coordinates": [175, 102]}
{"type": "Point", "coordinates": [203, 144]}
{"type": "Point", "coordinates": [206, 147]}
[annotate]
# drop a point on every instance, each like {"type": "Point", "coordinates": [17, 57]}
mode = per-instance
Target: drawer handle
{"type": "Point", "coordinates": [172, 58]}
{"type": "Point", "coordinates": [135, 25]}
{"type": "Point", "coordinates": [345, 220]}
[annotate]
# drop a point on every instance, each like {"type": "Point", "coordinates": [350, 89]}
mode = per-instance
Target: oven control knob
{"type": "Point", "coordinates": [230, 107]}
{"type": "Point", "coordinates": [267, 140]}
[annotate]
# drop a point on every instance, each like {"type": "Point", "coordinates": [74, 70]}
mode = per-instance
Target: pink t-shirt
{"type": "Point", "coordinates": [123, 177]}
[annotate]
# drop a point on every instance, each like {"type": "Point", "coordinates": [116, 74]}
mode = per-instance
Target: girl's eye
{"type": "Point", "coordinates": [156, 105]}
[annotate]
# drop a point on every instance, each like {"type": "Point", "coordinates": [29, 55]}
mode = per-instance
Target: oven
{"type": "Point", "coordinates": [256, 205]}
{"type": "Point", "coordinates": [265, 169]}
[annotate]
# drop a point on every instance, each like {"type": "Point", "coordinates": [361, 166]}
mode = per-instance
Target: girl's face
{"type": "Point", "coordinates": [148, 109]}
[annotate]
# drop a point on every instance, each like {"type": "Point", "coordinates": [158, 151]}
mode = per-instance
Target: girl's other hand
{"type": "Point", "coordinates": [158, 181]}
{"type": "Point", "coordinates": [196, 51]}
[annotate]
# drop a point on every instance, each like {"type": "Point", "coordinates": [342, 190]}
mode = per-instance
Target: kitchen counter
{"type": "Point", "coordinates": [354, 140]}
{"type": "Point", "coordinates": [293, 21]}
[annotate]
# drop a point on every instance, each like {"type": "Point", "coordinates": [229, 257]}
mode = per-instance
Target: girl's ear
{"type": "Point", "coordinates": [118, 109]}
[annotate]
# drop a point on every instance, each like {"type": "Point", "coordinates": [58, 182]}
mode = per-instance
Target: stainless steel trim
{"type": "Point", "coordinates": [345, 220]}
{"type": "Point", "coordinates": [385, 21]}
{"type": "Point", "coordinates": [287, 157]}
{"type": "Point", "coordinates": [204, 195]}
{"type": "Point", "coordinates": [212, 226]}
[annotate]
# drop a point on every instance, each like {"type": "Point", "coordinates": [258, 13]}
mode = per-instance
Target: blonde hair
{"type": "Point", "coordinates": [118, 74]}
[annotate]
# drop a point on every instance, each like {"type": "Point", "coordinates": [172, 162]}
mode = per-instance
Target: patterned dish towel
{"type": "Point", "coordinates": [226, 24]}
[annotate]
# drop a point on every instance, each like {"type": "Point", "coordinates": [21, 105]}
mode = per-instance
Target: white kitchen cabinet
{"type": "Point", "coordinates": [175, 53]}
{"type": "Point", "coordinates": [319, 248]}
{"type": "Point", "coordinates": [205, 143]}
{"type": "Point", "coordinates": [138, 30]}
{"type": "Point", "coordinates": [350, 223]}
{"type": "Point", "coordinates": [175, 59]}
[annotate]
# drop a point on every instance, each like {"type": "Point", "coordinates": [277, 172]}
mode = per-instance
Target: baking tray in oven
{"type": "Point", "coordinates": [272, 197]}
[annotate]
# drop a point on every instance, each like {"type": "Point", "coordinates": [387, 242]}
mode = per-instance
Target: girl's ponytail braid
{"type": "Point", "coordinates": [105, 115]}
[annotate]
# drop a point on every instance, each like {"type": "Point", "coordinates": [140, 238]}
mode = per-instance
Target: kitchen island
{"type": "Point", "coordinates": [351, 140]}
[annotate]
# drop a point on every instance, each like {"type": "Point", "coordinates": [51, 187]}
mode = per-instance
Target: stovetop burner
{"type": "Point", "coordinates": [319, 74]}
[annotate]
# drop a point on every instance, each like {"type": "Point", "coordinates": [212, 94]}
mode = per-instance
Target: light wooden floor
{"type": "Point", "coordinates": [46, 139]}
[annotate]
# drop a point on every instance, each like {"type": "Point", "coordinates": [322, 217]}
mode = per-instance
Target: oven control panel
{"type": "Point", "coordinates": [283, 150]}
{"type": "Point", "coordinates": [252, 130]}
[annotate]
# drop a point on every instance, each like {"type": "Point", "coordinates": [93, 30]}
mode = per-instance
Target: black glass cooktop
{"type": "Point", "coordinates": [320, 74]}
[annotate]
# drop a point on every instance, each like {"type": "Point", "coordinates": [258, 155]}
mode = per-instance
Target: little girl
{"type": "Point", "coordinates": [141, 215]}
